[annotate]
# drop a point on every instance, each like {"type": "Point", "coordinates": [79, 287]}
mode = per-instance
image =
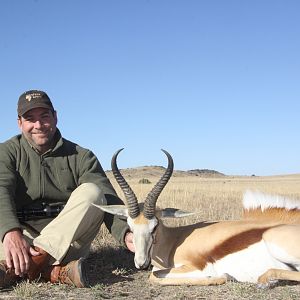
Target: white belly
{"type": "Point", "coordinates": [246, 265]}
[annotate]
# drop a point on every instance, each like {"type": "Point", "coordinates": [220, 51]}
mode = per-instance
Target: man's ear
{"type": "Point", "coordinates": [55, 116]}
{"type": "Point", "coordinates": [173, 213]}
{"type": "Point", "coordinates": [19, 122]}
{"type": "Point", "coordinates": [119, 210]}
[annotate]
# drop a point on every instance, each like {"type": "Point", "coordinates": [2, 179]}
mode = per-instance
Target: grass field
{"type": "Point", "coordinates": [215, 198]}
{"type": "Point", "coordinates": [111, 270]}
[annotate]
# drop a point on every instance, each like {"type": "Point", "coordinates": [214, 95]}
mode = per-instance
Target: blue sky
{"type": "Point", "coordinates": [216, 83]}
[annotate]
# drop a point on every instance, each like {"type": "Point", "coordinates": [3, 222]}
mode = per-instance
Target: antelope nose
{"type": "Point", "coordinates": [141, 263]}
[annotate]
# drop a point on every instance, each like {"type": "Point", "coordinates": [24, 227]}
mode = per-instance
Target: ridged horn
{"type": "Point", "coordinates": [132, 202]}
{"type": "Point", "coordinates": [150, 202]}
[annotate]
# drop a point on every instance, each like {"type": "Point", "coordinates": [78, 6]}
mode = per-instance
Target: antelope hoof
{"type": "Point", "coordinates": [266, 281]}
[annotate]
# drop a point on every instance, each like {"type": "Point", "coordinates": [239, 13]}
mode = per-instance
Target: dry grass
{"type": "Point", "coordinates": [215, 198]}
{"type": "Point", "coordinates": [111, 270]}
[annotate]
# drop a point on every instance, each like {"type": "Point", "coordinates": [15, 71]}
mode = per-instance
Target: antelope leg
{"type": "Point", "coordinates": [185, 275]}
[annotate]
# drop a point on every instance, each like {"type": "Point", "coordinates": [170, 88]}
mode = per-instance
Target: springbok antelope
{"type": "Point", "coordinates": [262, 247]}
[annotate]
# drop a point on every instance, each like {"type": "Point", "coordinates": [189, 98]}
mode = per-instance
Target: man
{"type": "Point", "coordinates": [41, 173]}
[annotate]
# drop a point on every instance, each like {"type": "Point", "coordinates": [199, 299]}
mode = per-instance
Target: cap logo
{"type": "Point", "coordinates": [31, 96]}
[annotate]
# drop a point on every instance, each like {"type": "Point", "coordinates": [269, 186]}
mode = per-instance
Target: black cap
{"type": "Point", "coordinates": [33, 99]}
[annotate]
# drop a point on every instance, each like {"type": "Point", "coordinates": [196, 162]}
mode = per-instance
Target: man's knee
{"type": "Point", "coordinates": [92, 193]}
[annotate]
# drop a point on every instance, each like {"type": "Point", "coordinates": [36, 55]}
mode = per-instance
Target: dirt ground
{"type": "Point", "coordinates": [112, 275]}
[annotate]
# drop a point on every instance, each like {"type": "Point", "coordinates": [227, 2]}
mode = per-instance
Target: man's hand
{"type": "Point", "coordinates": [17, 252]}
{"type": "Point", "coordinates": [129, 241]}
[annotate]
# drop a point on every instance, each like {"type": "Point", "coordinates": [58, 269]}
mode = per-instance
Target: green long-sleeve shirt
{"type": "Point", "coordinates": [28, 178]}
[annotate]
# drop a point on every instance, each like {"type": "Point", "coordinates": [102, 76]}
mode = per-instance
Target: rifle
{"type": "Point", "coordinates": [44, 211]}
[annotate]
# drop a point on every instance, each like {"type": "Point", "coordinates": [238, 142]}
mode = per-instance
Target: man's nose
{"type": "Point", "coordinates": [37, 124]}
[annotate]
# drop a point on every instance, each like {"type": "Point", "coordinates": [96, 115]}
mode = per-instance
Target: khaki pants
{"type": "Point", "coordinates": [69, 236]}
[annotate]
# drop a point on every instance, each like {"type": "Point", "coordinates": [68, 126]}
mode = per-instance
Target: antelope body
{"type": "Point", "coordinates": [262, 247]}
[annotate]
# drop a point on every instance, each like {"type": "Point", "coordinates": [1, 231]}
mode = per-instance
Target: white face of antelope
{"type": "Point", "coordinates": [143, 230]}
{"type": "Point", "coordinates": [141, 218]}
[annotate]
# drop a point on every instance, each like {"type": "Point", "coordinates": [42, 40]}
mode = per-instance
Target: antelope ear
{"type": "Point", "coordinates": [174, 213]}
{"type": "Point", "coordinates": [119, 210]}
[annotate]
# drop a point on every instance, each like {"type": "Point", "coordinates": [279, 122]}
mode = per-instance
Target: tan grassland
{"type": "Point", "coordinates": [214, 197]}
{"type": "Point", "coordinates": [111, 270]}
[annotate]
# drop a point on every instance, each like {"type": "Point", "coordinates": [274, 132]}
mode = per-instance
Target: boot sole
{"type": "Point", "coordinates": [83, 272]}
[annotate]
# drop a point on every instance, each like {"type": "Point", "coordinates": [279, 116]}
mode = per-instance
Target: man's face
{"type": "Point", "coordinates": [39, 126]}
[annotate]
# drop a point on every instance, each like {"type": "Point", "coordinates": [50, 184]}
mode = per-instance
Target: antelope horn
{"type": "Point", "coordinates": [132, 203]}
{"type": "Point", "coordinates": [150, 202]}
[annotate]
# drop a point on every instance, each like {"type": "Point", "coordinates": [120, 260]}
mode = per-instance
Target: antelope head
{"type": "Point", "coordinates": [141, 217]}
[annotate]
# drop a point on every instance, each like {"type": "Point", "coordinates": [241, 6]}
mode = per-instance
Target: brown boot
{"type": "Point", "coordinates": [38, 264]}
{"type": "Point", "coordinates": [73, 273]}
{"type": "Point", "coordinates": [7, 276]}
